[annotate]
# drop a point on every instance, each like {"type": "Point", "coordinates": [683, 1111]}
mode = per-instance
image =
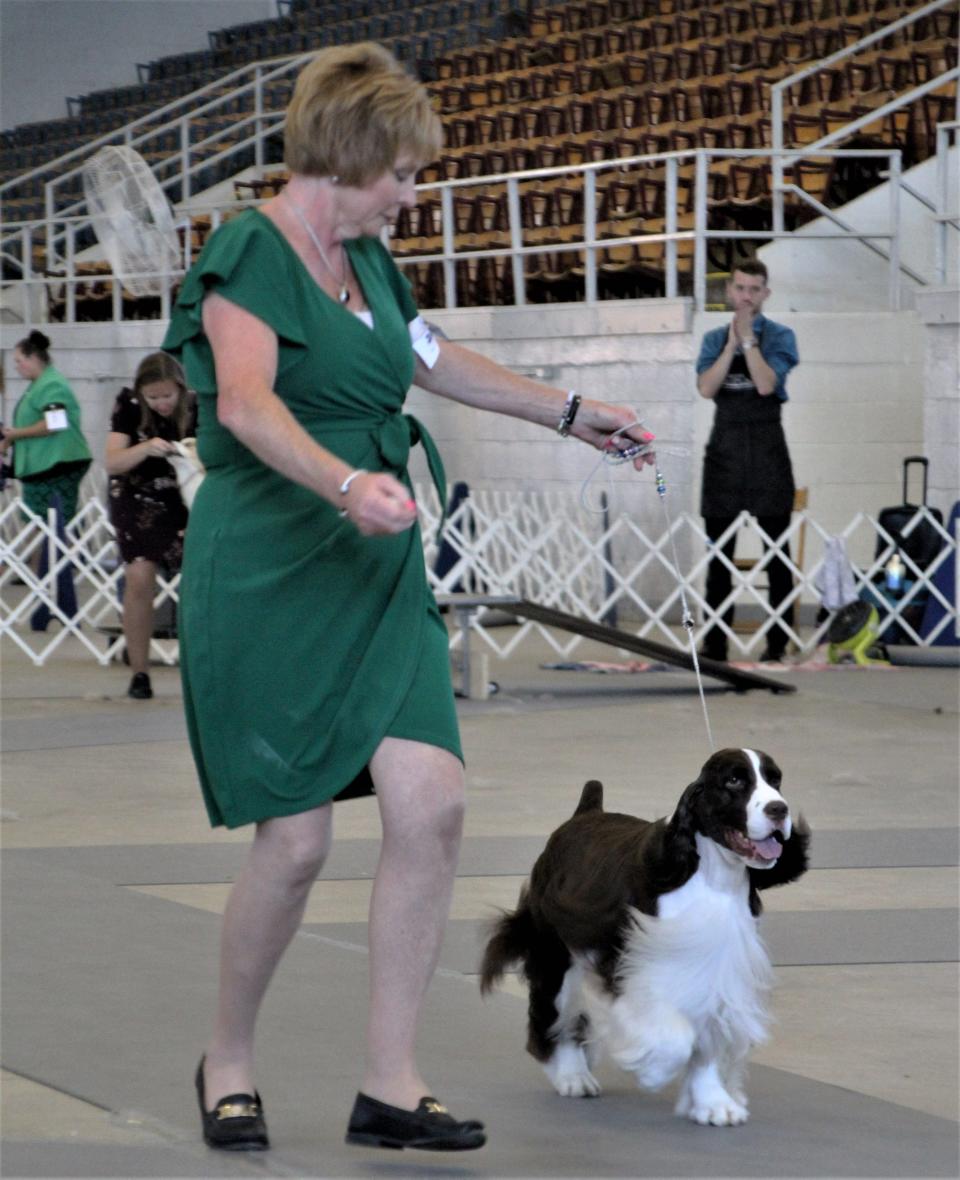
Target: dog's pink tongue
{"type": "Point", "coordinates": [769, 849]}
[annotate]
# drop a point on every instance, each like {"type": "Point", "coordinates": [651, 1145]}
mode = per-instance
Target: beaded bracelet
{"type": "Point", "coordinates": [569, 413]}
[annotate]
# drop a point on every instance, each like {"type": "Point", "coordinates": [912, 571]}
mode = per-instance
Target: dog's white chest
{"type": "Point", "coordinates": [703, 955]}
{"type": "Point", "coordinates": [715, 901]}
{"type": "Point", "coordinates": [698, 928]}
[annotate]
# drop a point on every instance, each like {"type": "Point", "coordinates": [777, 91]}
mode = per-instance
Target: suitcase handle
{"type": "Point", "coordinates": [925, 463]}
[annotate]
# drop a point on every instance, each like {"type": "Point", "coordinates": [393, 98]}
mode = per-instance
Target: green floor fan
{"type": "Point", "coordinates": [852, 635]}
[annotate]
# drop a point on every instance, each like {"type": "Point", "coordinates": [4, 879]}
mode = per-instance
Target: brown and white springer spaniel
{"type": "Point", "coordinates": [641, 937]}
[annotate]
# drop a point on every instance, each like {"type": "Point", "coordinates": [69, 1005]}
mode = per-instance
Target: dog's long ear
{"type": "Point", "coordinates": [793, 859]}
{"type": "Point", "coordinates": [680, 838]}
{"type": "Point", "coordinates": [684, 823]}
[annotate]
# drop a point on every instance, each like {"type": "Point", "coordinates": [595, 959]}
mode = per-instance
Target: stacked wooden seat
{"type": "Point", "coordinates": [557, 87]}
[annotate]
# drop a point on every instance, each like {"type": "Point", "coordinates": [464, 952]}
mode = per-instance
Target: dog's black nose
{"type": "Point", "coordinates": [777, 812]}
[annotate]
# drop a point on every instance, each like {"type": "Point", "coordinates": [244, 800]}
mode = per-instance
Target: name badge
{"type": "Point", "coordinates": [425, 344]}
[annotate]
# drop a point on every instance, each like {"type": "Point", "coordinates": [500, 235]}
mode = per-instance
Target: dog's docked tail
{"type": "Point", "coordinates": [591, 797]}
{"type": "Point", "coordinates": [509, 943]}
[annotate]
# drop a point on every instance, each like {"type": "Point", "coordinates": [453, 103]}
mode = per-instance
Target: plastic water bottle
{"type": "Point", "coordinates": [894, 573]}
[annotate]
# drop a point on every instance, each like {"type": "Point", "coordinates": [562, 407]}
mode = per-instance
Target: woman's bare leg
{"type": "Point", "coordinates": [421, 795]}
{"type": "Point", "coordinates": [263, 913]}
{"type": "Point", "coordinates": [141, 585]}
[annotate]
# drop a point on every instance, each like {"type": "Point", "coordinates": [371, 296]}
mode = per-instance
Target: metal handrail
{"type": "Point", "coordinates": [165, 119]}
{"type": "Point", "coordinates": [848, 50]}
{"type": "Point", "coordinates": [266, 122]}
{"type": "Point", "coordinates": [126, 132]}
{"type": "Point", "coordinates": [61, 228]}
{"type": "Point", "coordinates": [778, 89]}
{"type": "Point", "coordinates": [880, 112]}
{"type": "Point", "coordinates": [700, 233]}
{"type": "Point", "coordinates": [943, 216]}
{"type": "Point", "coordinates": [158, 123]}
{"type": "Point", "coordinates": [589, 244]}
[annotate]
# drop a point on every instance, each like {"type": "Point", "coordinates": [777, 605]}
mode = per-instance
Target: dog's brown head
{"type": "Point", "coordinates": [737, 803]}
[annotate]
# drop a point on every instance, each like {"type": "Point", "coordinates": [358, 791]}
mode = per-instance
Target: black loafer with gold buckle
{"type": "Point", "coordinates": [236, 1123]}
{"type": "Point", "coordinates": [430, 1127]}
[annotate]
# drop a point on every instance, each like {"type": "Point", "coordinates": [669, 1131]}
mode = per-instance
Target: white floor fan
{"type": "Point", "coordinates": [132, 220]}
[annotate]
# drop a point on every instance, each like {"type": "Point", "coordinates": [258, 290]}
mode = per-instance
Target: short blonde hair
{"type": "Point", "coordinates": [354, 111]}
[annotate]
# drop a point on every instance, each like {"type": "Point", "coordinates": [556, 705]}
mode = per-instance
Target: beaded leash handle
{"type": "Point", "coordinates": [687, 618]}
{"type": "Point", "coordinates": [614, 456]}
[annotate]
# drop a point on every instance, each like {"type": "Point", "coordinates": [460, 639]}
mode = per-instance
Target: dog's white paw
{"type": "Point", "coordinates": [705, 1096]}
{"type": "Point", "coordinates": [582, 1085]}
{"type": "Point", "coordinates": [718, 1111]}
{"type": "Point", "coordinates": [569, 1073]}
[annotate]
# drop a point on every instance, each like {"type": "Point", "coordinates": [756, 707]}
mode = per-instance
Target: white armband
{"type": "Point", "coordinates": [424, 342]}
{"type": "Point", "coordinates": [55, 418]}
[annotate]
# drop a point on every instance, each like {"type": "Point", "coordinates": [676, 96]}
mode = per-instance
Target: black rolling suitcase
{"type": "Point", "coordinates": [924, 541]}
{"type": "Point", "coordinates": [921, 545]}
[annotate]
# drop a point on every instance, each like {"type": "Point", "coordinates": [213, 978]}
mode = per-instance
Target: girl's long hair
{"type": "Point", "coordinates": [160, 366]}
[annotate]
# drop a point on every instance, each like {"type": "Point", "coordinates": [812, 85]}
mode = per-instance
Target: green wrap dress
{"type": "Point", "coordinates": [303, 643]}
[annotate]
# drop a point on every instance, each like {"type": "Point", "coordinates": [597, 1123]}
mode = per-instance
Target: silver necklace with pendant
{"type": "Point", "coordinates": [343, 296]}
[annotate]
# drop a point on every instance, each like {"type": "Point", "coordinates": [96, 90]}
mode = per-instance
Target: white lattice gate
{"type": "Point", "coordinates": [543, 547]}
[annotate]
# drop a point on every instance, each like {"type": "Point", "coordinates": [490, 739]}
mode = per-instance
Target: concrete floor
{"type": "Point", "coordinates": [113, 880]}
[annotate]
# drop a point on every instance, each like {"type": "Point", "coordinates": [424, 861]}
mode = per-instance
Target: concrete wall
{"type": "Point", "coordinates": [52, 49]}
{"type": "Point", "coordinates": [639, 354]}
{"type": "Point", "coordinates": [636, 354]}
{"type": "Point", "coordinates": [855, 408]}
{"type": "Point", "coordinates": [939, 314]}
{"type": "Point", "coordinates": [870, 389]}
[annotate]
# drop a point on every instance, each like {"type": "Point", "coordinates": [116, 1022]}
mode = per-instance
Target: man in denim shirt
{"type": "Point", "coordinates": [746, 467]}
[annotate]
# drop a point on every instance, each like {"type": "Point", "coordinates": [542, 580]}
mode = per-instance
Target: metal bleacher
{"type": "Point", "coordinates": [593, 149]}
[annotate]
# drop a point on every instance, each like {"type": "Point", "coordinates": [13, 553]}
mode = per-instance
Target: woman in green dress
{"type": "Point", "coordinates": [314, 658]}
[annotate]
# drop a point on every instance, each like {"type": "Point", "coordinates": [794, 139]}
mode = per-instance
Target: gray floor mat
{"type": "Point", "coordinates": [198, 864]}
{"type": "Point", "coordinates": [123, 1028]}
{"type": "Point", "coordinates": [794, 939]}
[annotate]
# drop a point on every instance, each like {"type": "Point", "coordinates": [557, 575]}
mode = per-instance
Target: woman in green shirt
{"type": "Point", "coordinates": [314, 658]}
{"type": "Point", "coordinates": [51, 455]}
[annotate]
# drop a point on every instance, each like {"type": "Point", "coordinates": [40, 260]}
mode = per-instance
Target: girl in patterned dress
{"type": "Point", "coordinates": [146, 509]}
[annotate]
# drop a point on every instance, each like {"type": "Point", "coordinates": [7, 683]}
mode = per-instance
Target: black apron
{"type": "Point", "coordinates": [746, 466]}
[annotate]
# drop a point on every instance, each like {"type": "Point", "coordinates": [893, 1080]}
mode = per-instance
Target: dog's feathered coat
{"type": "Point", "coordinates": [641, 937]}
